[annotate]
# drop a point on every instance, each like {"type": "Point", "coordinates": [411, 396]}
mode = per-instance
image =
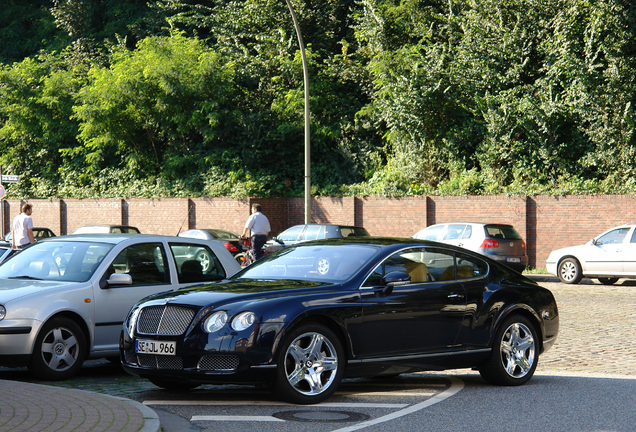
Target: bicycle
{"type": "Point", "coordinates": [247, 258]}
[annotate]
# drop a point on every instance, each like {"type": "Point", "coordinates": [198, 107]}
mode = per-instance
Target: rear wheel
{"type": "Point", "coordinates": [608, 280]}
{"type": "Point", "coordinates": [515, 353]}
{"type": "Point", "coordinates": [569, 271]}
{"type": "Point", "coordinates": [59, 350]}
{"type": "Point", "coordinates": [310, 365]}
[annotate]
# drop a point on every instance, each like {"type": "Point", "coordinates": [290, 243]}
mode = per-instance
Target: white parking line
{"type": "Point", "coordinates": [390, 393]}
{"type": "Point", "coordinates": [236, 418]}
{"type": "Point", "coordinates": [274, 403]}
{"type": "Point", "coordinates": [456, 386]}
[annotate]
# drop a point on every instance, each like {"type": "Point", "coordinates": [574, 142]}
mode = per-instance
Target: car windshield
{"type": "Point", "coordinates": [312, 262]}
{"type": "Point", "coordinates": [56, 260]}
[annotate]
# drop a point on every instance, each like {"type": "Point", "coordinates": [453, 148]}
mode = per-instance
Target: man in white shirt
{"type": "Point", "coordinates": [257, 226]}
{"type": "Point", "coordinates": [23, 228]}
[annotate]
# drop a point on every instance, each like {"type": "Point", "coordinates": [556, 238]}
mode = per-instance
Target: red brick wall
{"type": "Point", "coordinates": [158, 216]}
{"type": "Point", "coordinates": [392, 217]}
{"type": "Point", "coordinates": [546, 223]}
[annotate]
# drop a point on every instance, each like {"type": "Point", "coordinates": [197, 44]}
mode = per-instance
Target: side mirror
{"type": "Point", "coordinates": [394, 278]}
{"type": "Point", "coordinates": [119, 279]}
{"type": "Point", "coordinates": [277, 240]}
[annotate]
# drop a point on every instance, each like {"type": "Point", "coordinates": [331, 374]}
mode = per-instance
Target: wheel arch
{"type": "Point", "coordinates": [525, 311]}
{"type": "Point", "coordinates": [574, 257]}
{"type": "Point", "coordinates": [77, 319]}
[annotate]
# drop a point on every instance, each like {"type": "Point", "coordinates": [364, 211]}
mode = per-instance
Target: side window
{"type": "Point", "coordinates": [196, 263]}
{"type": "Point", "coordinates": [467, 232]}
{"type": "Point", "coordinates": [470, 267]}
{"type": "Point", "coordinates": [431, 233]}
{"type": "Point", "coordinates": [291, 234]}
{"type": "Point", "coordinates": [422, 264]}
{"type": "Point", "coordinates": [633, 240]}
{"type": "Point", "coordinates": [312, 232]}
{"type": "Point", "coordinates": [613, 237]}
{"type": "Point", "coordinates": [455, 231]}
{"type": "Point", "coordinates": [145, 263]}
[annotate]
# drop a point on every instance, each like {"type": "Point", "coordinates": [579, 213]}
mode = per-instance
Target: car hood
{"type": "Point", "coordinates": [240, 290]}
{"type": "Point", "coordinates": [571, 250]}
{"type": "Point", "coordinates": [11, 289]}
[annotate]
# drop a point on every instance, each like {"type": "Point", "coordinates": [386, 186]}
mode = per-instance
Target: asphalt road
{"type": "Point", "coordinates": [586, 382]}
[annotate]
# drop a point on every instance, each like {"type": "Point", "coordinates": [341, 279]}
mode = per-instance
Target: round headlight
{"type": "Point", "coordinates": [3, 312]}
{"type": "Point", "coordinates": [132, 321]}
{"type": "Point", "coordinates": [243, 320]}
{"type": "Point", "coordinates": [215, 322]}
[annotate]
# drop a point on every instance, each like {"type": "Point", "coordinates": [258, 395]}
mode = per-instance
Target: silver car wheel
{"type": "Point", "coordinates": [323, 266]}
{"type": "Point", "coordinates": [517, 350]}
{"type": "Point", "coordinates": [60, 349]}
{"type": "Point", "coordinates": [311, 364]}
{"type": "Point", "coordinates": [204, 259]}
{"type": "Point", "coordinates": [568, 270]}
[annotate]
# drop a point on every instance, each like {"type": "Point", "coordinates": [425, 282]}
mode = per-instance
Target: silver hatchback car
{"type": "Point", "coordinates": [64, 299]}
{"type": "Point", "coordinates": [500, 242]}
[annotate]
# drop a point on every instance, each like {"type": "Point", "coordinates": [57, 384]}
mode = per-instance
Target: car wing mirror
{"type": "Point", "coordinates": [394, 278]}
{"type": "Point", "coordinates": [277, 240]}
{"type": "Point", "coordinates": [119, 279]}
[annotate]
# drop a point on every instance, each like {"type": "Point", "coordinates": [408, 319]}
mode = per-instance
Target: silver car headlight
{"type": "Point", "coordinates": [3, 312]}
{"type": "Point", "coordinates": [215, 322]}
{"type": "Point", "coordinates": [243, 321]}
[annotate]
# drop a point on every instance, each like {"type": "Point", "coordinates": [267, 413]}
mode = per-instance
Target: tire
{"type": "Point", "coordinates": [240, 257]}
{"type": "Point", "coordinates": [206, 261]}
{"type": "Point", "coordinates": [310, 365]}
{"type": "Point", "coordinates": [608, 280]}
{"type": "Point", "coordinates": [59, 351]}
{"type": "Point", "coordinates": [174, 385]}
{"type": "Point", "coordinates": [515, 353]}
{"type": "Point", "coordinates": [569, 271]}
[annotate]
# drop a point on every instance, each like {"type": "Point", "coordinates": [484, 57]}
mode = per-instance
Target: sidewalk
{"type": "Point", "coordinates": [28, 407]}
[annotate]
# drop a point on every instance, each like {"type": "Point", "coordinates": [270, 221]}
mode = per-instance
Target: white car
{"type": "Point", "coordinates": [500, 242]}
{"type": "Point", "coordinates": [64, 299]}
{"type": "Point", "coordinates": [608, 257]}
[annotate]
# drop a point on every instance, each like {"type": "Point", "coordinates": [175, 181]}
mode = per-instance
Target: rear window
{"type": "Point", "coordinates": [353, 232]}
{"type": "Point", "coordinates": [506, 232]}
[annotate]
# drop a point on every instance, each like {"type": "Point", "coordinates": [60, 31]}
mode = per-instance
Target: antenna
{"type": "Point", "coordinates": [186, 218]}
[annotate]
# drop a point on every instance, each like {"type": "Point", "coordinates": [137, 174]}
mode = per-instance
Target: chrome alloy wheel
{"type": "Point", "coordinates": [311, 364]}
{"type": "Point", "coordinates": [59, 349]}
{"type": "Point", "coordinates": [517, 350]}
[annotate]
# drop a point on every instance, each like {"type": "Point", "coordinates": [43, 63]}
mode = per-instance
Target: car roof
{"type": "Point", "coordinates": [118, 238]}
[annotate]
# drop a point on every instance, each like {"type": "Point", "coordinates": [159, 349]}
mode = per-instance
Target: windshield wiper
{"type": "Point", "coordinates": [25, 277]}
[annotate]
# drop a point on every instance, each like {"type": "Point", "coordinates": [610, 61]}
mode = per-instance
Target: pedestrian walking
{"type": "Point", "coordinates": [257, 227]}
{"type": "Point", "coordinates": [23, 228]}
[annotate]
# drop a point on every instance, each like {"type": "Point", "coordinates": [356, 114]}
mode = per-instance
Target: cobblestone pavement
{"type": "Point", "coordinates": [596, 327]}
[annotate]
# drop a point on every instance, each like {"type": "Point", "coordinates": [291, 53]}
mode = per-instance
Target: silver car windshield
{"type": "Point", "coordinates": [56, 260]}
{"type": "Point", "coordinates": [313, 263]}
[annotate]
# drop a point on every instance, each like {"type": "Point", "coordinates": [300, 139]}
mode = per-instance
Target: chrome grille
{"type": "Point", "coordinates": [160, 362]}
{"type": "Point", "coordinates": [164, 320]}
{"type": "Point", "coordinates": [218, 363]}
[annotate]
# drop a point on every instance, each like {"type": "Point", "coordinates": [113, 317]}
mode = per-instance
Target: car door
{"type": "Point", "coordinates": [629, 254]}
{"type": "Point", "coordinates": [423, 316]}
{"type": "Point", "coordinates": [454, 234]}
{"type": "Point", "coordinates": [605, 255]}
{"type": "Point", "coordinates": [147, 264]}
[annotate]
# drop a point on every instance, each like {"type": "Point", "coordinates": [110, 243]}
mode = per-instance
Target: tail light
{"type": "Point", "coordinates": [229, 246]}
{"type": "Point", "coordinates": [489, 243]}
{"type": "Point", "coordinates": [523, 245]}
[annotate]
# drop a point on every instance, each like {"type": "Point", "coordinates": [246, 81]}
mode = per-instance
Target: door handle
{"type": "Point", "coordinates": [456, 296]}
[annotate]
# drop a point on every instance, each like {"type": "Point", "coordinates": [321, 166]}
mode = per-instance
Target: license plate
{"type": "Point", "coordinates": [155, 347]}
{"type": "Point", "coordinates": [513, 259]}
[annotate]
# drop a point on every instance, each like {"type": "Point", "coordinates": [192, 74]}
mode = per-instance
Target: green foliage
{"type": "Point", "coordinates": [193, 97]}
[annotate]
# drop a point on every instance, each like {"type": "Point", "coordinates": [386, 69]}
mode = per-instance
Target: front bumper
{"type": "Point", "coordinates": [17, 338]}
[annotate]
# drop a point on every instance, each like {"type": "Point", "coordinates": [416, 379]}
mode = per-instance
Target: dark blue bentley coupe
{"type": "Point", "coordinates": [307, 316]}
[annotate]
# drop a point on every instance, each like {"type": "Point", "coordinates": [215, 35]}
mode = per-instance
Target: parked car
{"type": "Point", "coordinates": [301, 233]}
{"type": "Point", "coordinates": [500, 242]}
{"type": "Point", "coordinates": [607, 257]}
{"type": "Point", "coordinates": [64, 299]}
{"type": "Point", "coordinates": [308, 315]}
{"type": "Point", "coordinates": [231, 241]}
{"type": "Point", "coordinates": [38, 234]}
{"type": "Point", "coordinates": [106, 229]}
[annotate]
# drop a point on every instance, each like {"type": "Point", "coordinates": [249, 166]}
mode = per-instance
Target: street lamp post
{"type": "Point", "coordinates": [307, 127]}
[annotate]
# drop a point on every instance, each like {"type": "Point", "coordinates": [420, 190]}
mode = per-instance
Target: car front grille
{"type": "Point", "coordinates": [164, 320]}
{"type": "Point", "coordinates": [159, 361]}
{"type": "Point", "coordinates": [218, 363]}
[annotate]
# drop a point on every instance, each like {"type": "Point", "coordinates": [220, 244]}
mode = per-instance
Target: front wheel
{"type": "Point", "coordinates": [515, 353]}
{"type": "Point", "coordinates": [570, 271]}
{"type": "Point", "coordinates": [608, 280]}
{"type": "Point", "coordinates": [59, 350]}
{"type": "Point", "coordinates": [310, 365]}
